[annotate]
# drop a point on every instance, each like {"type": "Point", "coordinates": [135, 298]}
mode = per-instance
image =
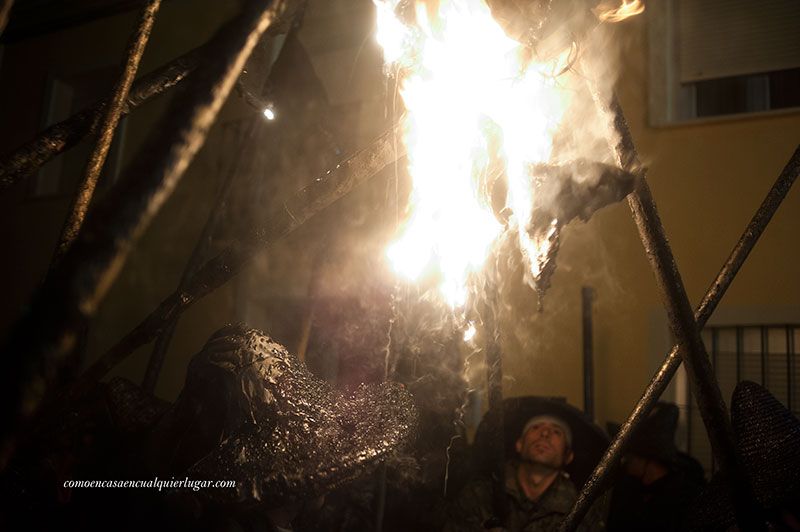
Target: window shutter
{"type": "Point", "coordinates": [722, 38]}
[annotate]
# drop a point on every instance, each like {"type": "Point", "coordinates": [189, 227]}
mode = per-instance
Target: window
{"type": "Point", "coordinates": [715, 58]}
{"type": "Point", "coordinates": [767, 354]}
{"type": "Point", "coordinates": [65, 96]}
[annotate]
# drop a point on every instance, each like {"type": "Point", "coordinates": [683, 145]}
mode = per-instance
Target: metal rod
{"type": "Point", "coordinates": [587, 297]}
{"type": "Point", "coordinates": [296, 210]}
{"type": "Point", "coordinates": [789, 352]}
{"type": "Point", "coordinates": [682, 323]}
{"type": "Point", "coordinates": [198, 255]}
{"type": "Point", "coordinates": [37, 353]}
{"type": "Point", "coordinates": [600, 476]}
{"type": "Point", "coordinates": [764, 351]}
{"type": "Point", "coordinates": [58, 138]}
{"type": "Point", "coordinates": [108, 126]}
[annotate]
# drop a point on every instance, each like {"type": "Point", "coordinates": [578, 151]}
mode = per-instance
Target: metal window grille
{"type": "Point", "coordinates": [766, 354]}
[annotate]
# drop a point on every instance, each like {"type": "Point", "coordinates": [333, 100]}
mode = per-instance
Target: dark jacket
{"type": "Point", "coordinates": [473, 507]}
{"type": "Point", "coordinates": [660, 507]}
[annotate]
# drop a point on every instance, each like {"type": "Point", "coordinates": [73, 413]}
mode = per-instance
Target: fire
{"type": "Point", "coordinates": [469, 334]}
{"type": "Point", "coordinates": [609, 13]}
{"type": "Point", "coordinates": [474, 101]}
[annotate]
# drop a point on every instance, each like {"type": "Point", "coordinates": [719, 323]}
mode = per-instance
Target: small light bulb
{"type": "Point", "coordinates": [269, 114]}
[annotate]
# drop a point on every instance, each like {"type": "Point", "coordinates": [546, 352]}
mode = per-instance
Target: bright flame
{"type": "Point", "coordinates": [269, 114]}
{"type": "Point", "coordinates": [608, 13]}
{"type": "Point", "coordinates": [393, 35]}
{"type": "Point", "coordinates": [469, 334]}
{"type": "Point", "coordinates": [466, 87]}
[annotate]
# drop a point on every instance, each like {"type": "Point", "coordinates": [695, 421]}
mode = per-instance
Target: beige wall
{"type": "Point", "coordinates": [708, 179]}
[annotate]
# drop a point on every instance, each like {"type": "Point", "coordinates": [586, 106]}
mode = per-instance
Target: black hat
{"type": "Point", "coordinates": [281, 433]}
{"type": "Point", "coordinates": [589, 441]}
{"type": "Point", "coordinates": [655, 436]}
{"type": "Point", "coordinates": [768, 442]}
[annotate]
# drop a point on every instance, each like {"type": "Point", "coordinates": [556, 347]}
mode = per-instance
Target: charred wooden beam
{"type": "Point", "coordinates": [601, 476]}
{"type": "Point", "coordinates": [689, 348]}
{"type": "Point", "coordinates": [702, 379]}
{"type": "Point", "coordinates": [295, 211]}
{"type": "Point", "coordinates": [39, 349]}
{"type": "Point", "coordinates": [108, 126]}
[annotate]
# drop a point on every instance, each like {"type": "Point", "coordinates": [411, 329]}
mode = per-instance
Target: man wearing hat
{"type": "Point", "coordinates": [538, 490]}
{"type": "Point", "coordinates": [657, 483]}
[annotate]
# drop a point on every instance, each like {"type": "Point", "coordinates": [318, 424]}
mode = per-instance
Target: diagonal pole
{"type": "Point", "coordinates": [602, 474]}
{"type": "Point", "coordinates": [108, 126]}
{"type": "Point", "coordinates": [683, 325]}
{"type": "Point", "coordinates": [703, 382]}
{"type": "Point", "coordinates": [38, 350]}
{"type": "Point", "coordinates": [296, 210]}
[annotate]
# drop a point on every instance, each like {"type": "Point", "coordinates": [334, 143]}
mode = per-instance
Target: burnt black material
{"type": "Point", "coordinates": [286, 435]}
{"type": "Point", "coordinates": [564, 193]}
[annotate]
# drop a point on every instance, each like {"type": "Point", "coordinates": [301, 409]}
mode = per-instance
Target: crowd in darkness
{"type": "Point", "coordinates": [307, 456]}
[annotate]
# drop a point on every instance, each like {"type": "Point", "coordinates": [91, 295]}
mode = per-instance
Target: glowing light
{"type": "Point", "coordinates": [606, 12]}
{"type": "Point", "coordinates": [469, 334]}
{"type": "Point", "coordinates": [474, 101]}
{"type": "Point", "coordinates": [269, 114]}
{"type": "Point", "coordinates": [393, 35]}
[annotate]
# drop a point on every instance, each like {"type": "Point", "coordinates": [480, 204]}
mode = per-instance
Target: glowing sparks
{"type": "Point", "coordinates": [474, 102]}
{"type": "Point", "coordinates": [269, 114]}
{"type": "Point", "coordinates": [606, 12]}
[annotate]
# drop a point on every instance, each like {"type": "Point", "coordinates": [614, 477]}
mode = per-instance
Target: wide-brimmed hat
{"type": "Point", "coordinates": [270, 425]}
{"type": "Point", "coordinates": [655, 436]}
{"type": "Point", "coordinates": [768, 442]}
{"type": "Point", "coordinates": [589, 441]}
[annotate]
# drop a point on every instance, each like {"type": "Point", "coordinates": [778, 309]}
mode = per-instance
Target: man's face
{"type": "Point", "coordinates": [544, 443]}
